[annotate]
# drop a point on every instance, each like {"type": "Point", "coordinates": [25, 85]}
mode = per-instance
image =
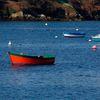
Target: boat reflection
{"type": "Point", "coordinates": [30, 65]}
{"type": "Point", "coordinates": [20, 65]}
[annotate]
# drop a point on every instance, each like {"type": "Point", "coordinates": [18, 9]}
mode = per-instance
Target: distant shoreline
{"type": "Point", "coordinates": [62, 20]}
{"type": "Point", "coordinates": [49, 10]}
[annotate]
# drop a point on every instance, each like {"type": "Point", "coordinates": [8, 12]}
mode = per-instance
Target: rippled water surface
{"type": "Point", "coordinates": [75, 74]}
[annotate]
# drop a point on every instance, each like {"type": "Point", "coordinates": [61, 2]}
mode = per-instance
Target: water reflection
{"type": "Point", "coordinates": [30, 65]}
{"type": "Point", "coordinates": [21, 65]}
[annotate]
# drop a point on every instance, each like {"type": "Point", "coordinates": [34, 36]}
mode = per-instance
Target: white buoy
{"type": "Point", "coordinates": [77, 29]}
{"type": "Point", "coordinates": [9, 43]}
{"type": "Point", "coordinates": [89, 40]}
{"type": "Point", "coordinates": [46, 24]}
{"type": "Point", "coordinates": [21, 53]}
{"type": "Point", "coordinates": [56, 36]}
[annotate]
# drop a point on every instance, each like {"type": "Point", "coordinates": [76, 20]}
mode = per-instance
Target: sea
{"type": "Point", "coordinates": [75, 74]}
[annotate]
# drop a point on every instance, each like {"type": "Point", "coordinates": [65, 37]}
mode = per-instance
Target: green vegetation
{"type": "Point", "coordinates": [50, 9]}
{"type": "Point", "coordinates": [11, 10]}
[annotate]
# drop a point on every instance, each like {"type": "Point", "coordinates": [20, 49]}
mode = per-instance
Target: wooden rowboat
{"type": "Point", "coordinates": [25, 59]}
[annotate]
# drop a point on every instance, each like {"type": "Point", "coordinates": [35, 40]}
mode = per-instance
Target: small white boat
{"type": "Point", "coordinates": [96, 38]}
{"type": "Point", "coordinates": [74, 35]}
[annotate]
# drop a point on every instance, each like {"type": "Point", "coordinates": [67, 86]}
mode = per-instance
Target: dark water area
{"type": "Point", "coordinates": [75, 74]}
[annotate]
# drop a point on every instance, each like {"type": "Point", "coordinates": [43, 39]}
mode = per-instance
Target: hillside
{"type": "Point", "coordinates": [66, 10]}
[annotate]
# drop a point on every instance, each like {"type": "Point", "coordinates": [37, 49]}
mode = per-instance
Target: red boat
{"type": "Point", "coordinates": [25, 59]}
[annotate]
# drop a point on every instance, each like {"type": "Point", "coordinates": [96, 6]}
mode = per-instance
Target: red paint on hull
{"type": "Point", "coordinates": [18, 59]}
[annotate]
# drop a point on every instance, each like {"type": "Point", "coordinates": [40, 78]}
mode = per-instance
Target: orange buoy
{"type": "Point", "coordinates": [94, 47]}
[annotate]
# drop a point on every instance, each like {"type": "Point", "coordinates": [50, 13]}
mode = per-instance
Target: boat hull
{"type": "Point", "coordinates": [96, 39]}
{"type": "Point", "coordinates": [21, 59]}
{"type": "Point", "coordinates": [74, 35]}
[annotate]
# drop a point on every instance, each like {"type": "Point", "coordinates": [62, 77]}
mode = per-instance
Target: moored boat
{"type": "Point", "coordinates": [96, 38]}
{"type": "Point", "coordinates": [25, 59]}
{"type": "Point", "coordinates": [74, 35]}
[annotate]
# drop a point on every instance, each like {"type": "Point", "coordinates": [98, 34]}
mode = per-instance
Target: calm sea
{"type": "Point", "coordinates": [75, 74]}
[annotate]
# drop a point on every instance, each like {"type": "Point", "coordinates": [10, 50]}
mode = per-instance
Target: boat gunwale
{"type": "Point", "coordinates": [38, 57]}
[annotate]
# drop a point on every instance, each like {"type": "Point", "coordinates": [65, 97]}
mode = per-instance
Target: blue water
{"type": "Point", "coordinates": [75, 74]}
